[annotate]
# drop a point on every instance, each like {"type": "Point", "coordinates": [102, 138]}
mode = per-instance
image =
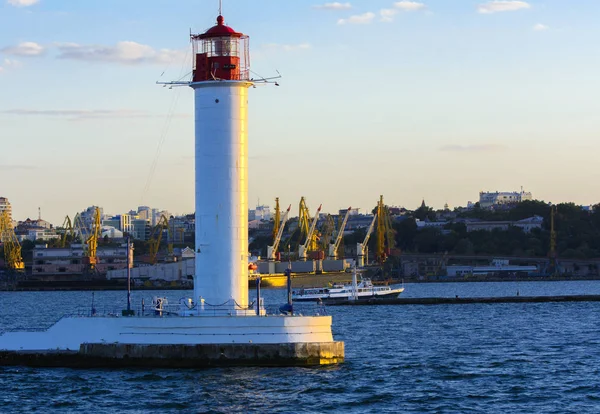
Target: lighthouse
{"type": "Point", "coordinates": [220, 79]}
{"type": "Point", "coordinates": [218, 325]}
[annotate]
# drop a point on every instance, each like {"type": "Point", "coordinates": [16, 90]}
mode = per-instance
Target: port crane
{"type": "Point", "coordinates": [333, 248]}
{"type": "Point", "coordinates": [304, 221]}
{"type": "Point", "coordinates": [12, 248]}
{"type": "Point", "coordinates": [277, 219]}
{"type": "Point", "coordinates": [68, 228]}
{"type": "Point", "coordinates": [327, 231]}
{"type": "Point", "coordinates": [385, 232]}
{"type": "Point", "coordinates": [156, 238]}
{"type": "Point", "coordinates": [361, 248]}
{"type": "Point", "coordinates": [272, 254]}
{"type": "Point", "coordinates": [303, 249]}
{"type": "Point", "coordinates": [303, 217]}
{"type": "Point", "coordinates": [91, 255]}
{"type": "Point", "coordinates": [79, 228]}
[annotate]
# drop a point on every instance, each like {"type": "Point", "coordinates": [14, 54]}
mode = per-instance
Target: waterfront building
{"type": "Point", "coordinates": [156, 214]}
{"type": "Point", "coordinates": [424, 223]}
{"type": "Point", "coordinates": [34, 223]}
{"type": "Point", "coordinates": [261, 212]}
{"type": "Point", "coordinates": [145, 213]}
{"type": "Point", "coordinates": [396, 211]}
{"type": "Point", "coordinates": [526, 225]}
{"type": "Point", "coordinates": [490, 199]}
{"type": "Point", "coordinates": [353, 212]}
{"type": "Point", "coordinates": [136, 227]}
{"type": "Point", "coordinates": [111, 232]}
{"type": "Point", "coordinates": [498, 267]}
{"type": "Point", "coordinates": [360, 221]}
{"type": "Point", "coordinates": [61, 263]}
{"type": "Point", "coordinates": [253, 224]}
{"type": "Point", "coordinates": [5, 206]}
{"type": "Point", "coordinates": [35, 230]}
{"type": "Point", "coordinates": [87, 216]}
{"type": "Point", "coordinates": [179, 228]}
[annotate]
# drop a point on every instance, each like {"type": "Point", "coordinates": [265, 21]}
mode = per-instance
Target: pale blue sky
{"type": "Point", "coordinates": [435, 99]}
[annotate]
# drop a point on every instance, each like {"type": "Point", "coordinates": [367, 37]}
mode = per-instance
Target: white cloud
{"type": "Point", "coordinates": [540, 27]}
{"type": "Point", "coordinates": [9, 63]}
{"type": "Point", "coordinates": [409, 5]}
{"type": "Point", "coordinates": [24, 49]}
{"type": "Point", "coordinates": [364, 18]}
{"type": "Point", "coordinates": [333, 6]}
{"type": "Point", "coordinates": [127, 52]}
{"type": "Point", "coordinates": [22, 3]}
{"type": "Point", "coordinates": [502, 6]}
{"type": "Point", "coordinates": [387, 15]}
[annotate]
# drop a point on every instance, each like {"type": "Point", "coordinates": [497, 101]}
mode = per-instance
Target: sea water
{"type": "Point", "coordinates": [514, 358]}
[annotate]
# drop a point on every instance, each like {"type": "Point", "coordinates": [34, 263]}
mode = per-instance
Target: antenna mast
{"type": "Point", "coordinates": [220, 7]}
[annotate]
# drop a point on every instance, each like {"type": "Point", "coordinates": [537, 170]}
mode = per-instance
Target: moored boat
{"type": "Point", "coordinates": [363, 290]}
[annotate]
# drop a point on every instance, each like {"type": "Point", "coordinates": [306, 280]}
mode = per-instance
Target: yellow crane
{"type": "Point", "coordinates": [68, 228]}
{"type": "Point", "coordinates": [361, 248]}
{"type": "Point", "coordinates": [277, 218]}
{"type": "Point", "coordinates": [303, 217]}
{"type": "Point", "coordinates": [80, 230]}
{"type": "Point", "coordinates": [12, 248]}
{"type": "Point", "coordinates": [91, 253]}
{"type": "Point", "coordinates": [272, 251]}
{"type": "Point", "coordinates": [327, 232]}
{"type": "Point", "coordinates": [304, 224]}
{"type": "Point", "coordinates": [310, 239]}
{"type": "Point", "coordinates": [385, 232]}
{"type": "Point", "coordinates": [333, 248]}
{"type": "Point", "coordinates": [156, 238]}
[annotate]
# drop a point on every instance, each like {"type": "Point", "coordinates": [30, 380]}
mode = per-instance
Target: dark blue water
{"type": "Point", "coordinates": [514, 358]}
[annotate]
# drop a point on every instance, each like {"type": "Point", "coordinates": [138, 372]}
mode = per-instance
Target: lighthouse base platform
{"type": "Point", "coordinates": [175, 341]}
{"type": "Point", "coordinates": [181, 356]}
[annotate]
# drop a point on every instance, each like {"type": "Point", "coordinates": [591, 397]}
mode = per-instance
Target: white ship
{"type": "Point", "coordinates": [364, 290]}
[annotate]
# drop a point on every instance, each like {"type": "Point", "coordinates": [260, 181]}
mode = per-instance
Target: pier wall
{"type": "Point", "coordinates": [182, 356]}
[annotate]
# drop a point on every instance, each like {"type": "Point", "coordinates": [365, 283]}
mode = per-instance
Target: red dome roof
{"type": "Point", "coordinates": [220, 30]}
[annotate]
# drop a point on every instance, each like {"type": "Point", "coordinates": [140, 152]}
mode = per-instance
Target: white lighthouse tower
{"type": "Point", "coordinates": [220, 81]}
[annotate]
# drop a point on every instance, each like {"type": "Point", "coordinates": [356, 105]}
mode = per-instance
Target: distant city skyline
{"type": "Point", "coordinates": [410, 99]}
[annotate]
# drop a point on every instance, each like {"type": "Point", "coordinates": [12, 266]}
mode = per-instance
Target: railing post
{"type": "Point", "coordinates": [288, 272]}
{"type": "Point", "coordinates": [258, 295]}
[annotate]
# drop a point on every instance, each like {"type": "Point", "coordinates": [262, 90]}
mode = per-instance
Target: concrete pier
{"type": "Point", "coordinates": [181, 356]}
{"type": "Point", "coordinates": [459, 300]}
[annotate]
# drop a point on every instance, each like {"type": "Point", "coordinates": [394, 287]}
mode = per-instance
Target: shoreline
{"type": "Point", "coordinates": [268, 282]}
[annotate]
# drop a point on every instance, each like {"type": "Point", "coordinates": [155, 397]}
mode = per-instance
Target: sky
{"type": "Point", "coordinates": [434, 100]}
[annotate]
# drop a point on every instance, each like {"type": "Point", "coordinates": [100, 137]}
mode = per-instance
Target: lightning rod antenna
{"type": "Point", "coordinates": [220, 7]}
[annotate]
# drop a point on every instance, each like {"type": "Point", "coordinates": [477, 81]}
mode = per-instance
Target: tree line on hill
{"type": "Point", "coordinates": [577, 232]}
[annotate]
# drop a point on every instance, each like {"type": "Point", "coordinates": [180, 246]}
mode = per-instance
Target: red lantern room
{"type": "Point", "coordinates": [220, 54]}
